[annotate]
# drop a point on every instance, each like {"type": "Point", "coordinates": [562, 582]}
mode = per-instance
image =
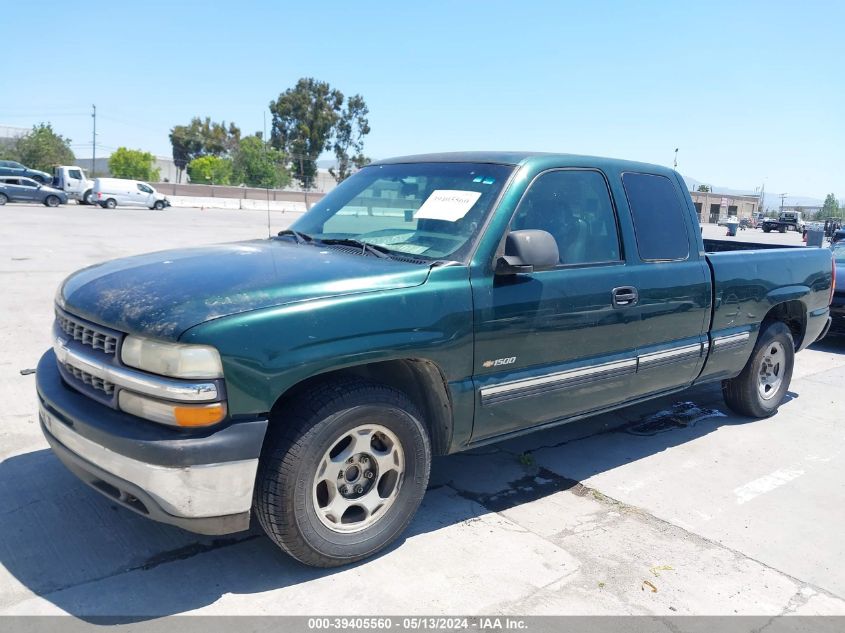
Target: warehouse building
{"type": "Point", "coordinates": [713, 206]}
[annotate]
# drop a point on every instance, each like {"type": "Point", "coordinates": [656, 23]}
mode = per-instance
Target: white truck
{"type": "Point", "coordinates": [74, 182]}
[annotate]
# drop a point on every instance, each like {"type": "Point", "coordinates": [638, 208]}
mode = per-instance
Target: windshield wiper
{"type": "Point", "coordinates": [301, 238]}
{"type": "Point", "coordinates": [375, 249]}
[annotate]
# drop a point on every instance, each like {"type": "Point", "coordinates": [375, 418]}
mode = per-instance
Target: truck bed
{"type": "Point", "coordinates": [721, 246]}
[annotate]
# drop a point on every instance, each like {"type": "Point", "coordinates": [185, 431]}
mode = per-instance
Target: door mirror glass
{"type": "Point", "coordinates": [526, 251]}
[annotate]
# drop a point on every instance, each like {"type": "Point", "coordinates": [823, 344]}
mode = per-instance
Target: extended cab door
{"type": "Point", "coordinates": [667, 265]}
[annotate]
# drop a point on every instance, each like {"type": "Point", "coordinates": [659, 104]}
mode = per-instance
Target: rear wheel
{"type": "Point", "coordinates": [3, 199]}
{"type": "Point", "coordinates": [111, 203]}
{"type": "Point", "coordinates": [52, 201]}
{"type": "Point", "coordinates": [343, 473]}
{"type": "Point", "coordinates": [759, 390]}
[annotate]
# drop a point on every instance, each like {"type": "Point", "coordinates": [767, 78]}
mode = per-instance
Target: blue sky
{"type": "Point", "coordinates": [748, 91]}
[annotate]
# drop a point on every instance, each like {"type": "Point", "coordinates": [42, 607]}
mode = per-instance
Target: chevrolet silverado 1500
{"type": "Point", "coordinates": [427, 305]}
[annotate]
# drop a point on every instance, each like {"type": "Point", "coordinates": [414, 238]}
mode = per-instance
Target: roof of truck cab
{"type": "Point", "coordinates": [521, 158]}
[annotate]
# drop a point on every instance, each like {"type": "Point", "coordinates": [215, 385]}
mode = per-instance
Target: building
{"type": "Point", "coordinates": [712, 206]}
{"type": "Point", "coordinates": [164, 164]}
{"type": "Point", "coordinates": [9, 134]}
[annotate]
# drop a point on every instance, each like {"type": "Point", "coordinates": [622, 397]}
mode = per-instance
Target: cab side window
{"type": "Point", "coordinates": [144, 188]}
{"type": "Point", "coordinates": [658, 217]}
{"type": "Point", "coordinates": [574, 206]}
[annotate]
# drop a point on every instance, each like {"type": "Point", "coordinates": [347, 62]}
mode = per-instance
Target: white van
{"type": "Point", "coordinates": [112, 192]}
{"type": "Point", "coordinates": [74, 182]}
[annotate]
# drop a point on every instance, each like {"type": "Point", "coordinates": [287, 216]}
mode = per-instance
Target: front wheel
{"type": "Point", "coordinates": [759, 390]}
{"type": "Point", "coordinates": [88, 197]}
{"type": "Point", "coordinates": [159, 205]}
{"type": "Point", "coordinates": [343, 473]}
{"type": "Point", "coordinates": [3, 199]}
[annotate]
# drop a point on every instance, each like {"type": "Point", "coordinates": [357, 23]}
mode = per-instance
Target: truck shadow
{"type": "Point", "coordinates": [70, 546]}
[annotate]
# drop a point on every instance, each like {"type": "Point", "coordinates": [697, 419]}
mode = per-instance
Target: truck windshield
{"type": "Point", "coordinates": [428, 211]}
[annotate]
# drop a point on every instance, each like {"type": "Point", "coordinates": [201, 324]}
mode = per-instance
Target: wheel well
{"type": "Point", "coordinates": [793, 314]}
{"type": "Point", "coordinates": [420, 380]}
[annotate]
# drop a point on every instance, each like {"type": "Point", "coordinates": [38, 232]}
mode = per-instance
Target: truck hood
{"type": "Point", "coordinates": [163, 294]}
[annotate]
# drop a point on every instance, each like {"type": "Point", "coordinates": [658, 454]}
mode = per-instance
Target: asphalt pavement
{"type": "Point", "coordinates": [673, 507]}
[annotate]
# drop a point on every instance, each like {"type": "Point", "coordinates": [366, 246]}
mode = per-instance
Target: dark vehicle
{"type": "Point", "coordinates": [425, 306]}
{"type": "Point", "coordinates": [14, 168]}
{"type": "Point", "coordinates": [837, 306]}
{"type": "Point", "coordinates": [13, 189]}
{"type": "Point", "coordinates": [838, 236]}
{"type": "Point", "coordinates": [788, 220]}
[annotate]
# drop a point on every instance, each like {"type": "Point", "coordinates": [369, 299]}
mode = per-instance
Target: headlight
{"type": "Point", "coordinates": [171, 359]}
{"type": "Point", "coordinates": [186, 415]}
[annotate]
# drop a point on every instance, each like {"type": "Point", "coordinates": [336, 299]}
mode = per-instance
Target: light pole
{"type": "Point", "coordinates": [676, 159]}
{"type": "Point", "coordinates": [94, 141]}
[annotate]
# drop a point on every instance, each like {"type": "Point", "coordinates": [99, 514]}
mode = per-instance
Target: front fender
{"type": "Point", "coordinates": [266, 352]}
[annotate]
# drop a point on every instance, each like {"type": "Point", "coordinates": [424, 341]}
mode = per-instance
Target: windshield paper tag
{"type": "Point", "coordinates": [447, 204]}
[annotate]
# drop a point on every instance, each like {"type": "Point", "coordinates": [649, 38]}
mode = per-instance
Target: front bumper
{"type": "Point", "coordinates": [200, 481]}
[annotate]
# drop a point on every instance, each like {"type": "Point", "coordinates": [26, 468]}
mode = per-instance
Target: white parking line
{"type": "Point", "coordinates": [765, 484]}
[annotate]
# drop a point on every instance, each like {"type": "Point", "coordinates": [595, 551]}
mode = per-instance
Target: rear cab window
{"type": "Point", "coordinates": [658, 217]}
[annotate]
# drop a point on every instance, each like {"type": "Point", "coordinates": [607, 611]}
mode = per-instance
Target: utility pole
{"type": "Point", "coordinates": [782, 196]}
{"type": "Point", "coordinates": [94, 141]}
{"type": "Point", "coordinates": [676, 158]}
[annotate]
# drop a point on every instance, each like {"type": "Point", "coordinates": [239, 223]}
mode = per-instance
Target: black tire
{"type": "Point", "coordinates": [111, 203]}
{"type": "Point", "coordinates": [287, 490]}
{"type": "Point", "coordinates": [743, 393]}
{"type": "Point", "coordinates": [88, 197]}
{"type": "Point", "coordinates": [159, 205]}
{"type": "Point", "coordinates": [782, 229]}
{"type": "Point", "coordinates": [766, 229]}
{"type": "Point", "coordinates": [52, 201]}
{"type": "Point", "coordinates": [3, 199]}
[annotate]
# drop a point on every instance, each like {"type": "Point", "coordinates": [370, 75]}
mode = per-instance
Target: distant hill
{"type": "Point", "coordinates": [772, 201]}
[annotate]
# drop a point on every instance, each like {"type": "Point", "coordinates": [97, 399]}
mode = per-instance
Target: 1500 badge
{"type": "Point", "coordinates": [499, 362]}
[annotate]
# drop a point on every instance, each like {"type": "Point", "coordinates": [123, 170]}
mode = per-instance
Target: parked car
{"type": "Point", "coordinates": [837, 306]}
{"type": "Point", "coordinates": [112, 192]}
{"type": "Point", "coordinates": [838, 236]}
{"type": "Point", "coordinates": [73, 181]}
{"type": "Point", "coordinates": [14, 168]}
{"type": "Point", "coordinates": [308, 378]}
{"type": "Point", "coordinates": [18, 189]}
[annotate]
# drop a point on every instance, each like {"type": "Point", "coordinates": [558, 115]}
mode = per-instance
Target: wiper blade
{"type": "Point", "coordinates": [301, 238]}
{"type": "Point", "coordinates": [375, 249]}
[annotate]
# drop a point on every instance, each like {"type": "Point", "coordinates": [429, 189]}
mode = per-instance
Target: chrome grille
{"type": "Point", "coordinates": [93, 381]}
{"type": "Point", "coordinates": [86, 334]}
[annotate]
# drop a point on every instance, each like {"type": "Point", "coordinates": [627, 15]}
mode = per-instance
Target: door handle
{"type": "Point", "coordinates": [625, 296]}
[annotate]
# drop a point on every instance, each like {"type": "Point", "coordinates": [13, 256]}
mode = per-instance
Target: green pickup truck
{"type": "Point", "coordinates": [427, 305]}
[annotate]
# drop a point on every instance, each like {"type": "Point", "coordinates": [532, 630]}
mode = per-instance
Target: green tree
{"type": "Point", "coordinates": [133, 164]}
{"type": "Point", "coordinates": [41, 149]}
{"type": "Point", "coordinates": [350, 129]}
{"type": "Point", "coordinates": [304, 119]}
{"type": "Point", "coordinates": [703, 188]}
{"type": "Point", "coordinates": [210, 170]}
{"type": "Point", "coordinates": [831, 206]}
{"type": "Point", "coordinates": [202, 137]}
{"type": "Point", "coordinates": [258, 165]}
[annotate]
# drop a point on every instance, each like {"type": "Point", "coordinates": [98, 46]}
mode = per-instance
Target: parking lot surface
{"type": "Point", "coordinates": [672, 507]}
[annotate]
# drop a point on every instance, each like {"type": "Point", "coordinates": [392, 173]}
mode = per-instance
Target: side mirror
{"type": "Point", "coordinates": [526, 251]}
